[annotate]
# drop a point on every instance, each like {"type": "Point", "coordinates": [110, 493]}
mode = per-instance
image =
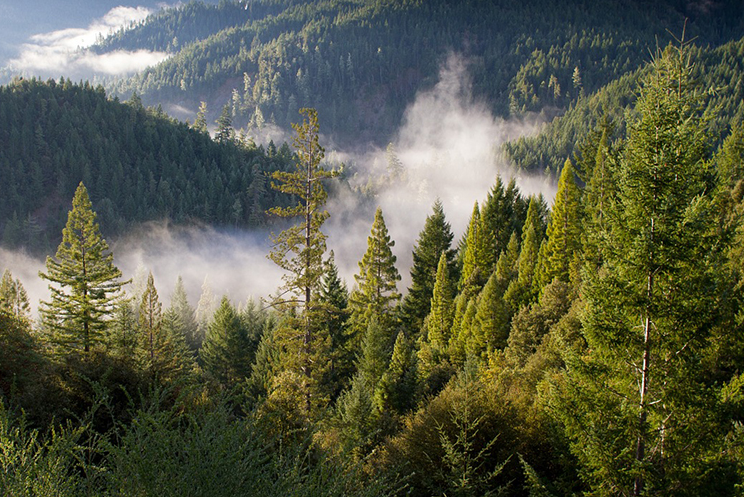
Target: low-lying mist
{"type": "Point", "coordinates": [447, 148]}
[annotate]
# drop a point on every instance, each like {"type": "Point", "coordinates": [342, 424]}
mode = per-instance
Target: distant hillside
{"type": "Point", "coordinates": [719, 71]}
{"type": "Point", "coordinates": [360, 62]}
{"type": "Point", "coordinates": [138, 165]}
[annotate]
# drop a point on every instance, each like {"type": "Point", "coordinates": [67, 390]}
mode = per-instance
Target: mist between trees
{"type": "Point", "coordinates": [591, 347]}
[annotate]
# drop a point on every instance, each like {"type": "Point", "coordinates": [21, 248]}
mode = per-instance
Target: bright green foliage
{"type": "Point", "coordinates": [478, 259]}
{"type": "Point", "coordinates": [88, 282]}
{"type": "Point", "coordinates": [225, 353]}
{"type": "Point", "coordinates": [13, 297]}
{"type": "Point", "coordinates": [439, 322]}
{"type": "Point", "coordinates": [375, 353]}
{"type": "Point", "coordinates": [181, 308]}
{"type": "Point", "coordinates": [175, 359]}
{"type": "Point", "coordinates": [643, 407]}
{"type": "Point", "coordinates": [522, 290]}
{"type": "Point", "coordinates": [532, 323]}
{"type": "Point", "coordinates": [490, 326]}
{"type": "Point", "coordinates": [356, 418]}
{"type": "Point", "coordinates": [396, 390]}
{"type": "Point", "coordinates": [299, 250]}
{"type": "Point", "coordinates": [266, 364]}
{"type": "Point", "coordinates": [564, 231]}
{"type": "Point", "coordinates": [376, 293]}
{"type": "Point", "coordinates": [730, 159]}
{"type": "Point", "coordinates": [434, 239]}
{"type": "Point", "coordinates": [599, 192]}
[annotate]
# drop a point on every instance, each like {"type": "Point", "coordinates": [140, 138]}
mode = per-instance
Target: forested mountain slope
{"type": "Point", "coordinates": [360, 62]}
{"type": "Point", "coordinates": [140, 165]}
{"type": "Point", "coordinates": [720, 71]}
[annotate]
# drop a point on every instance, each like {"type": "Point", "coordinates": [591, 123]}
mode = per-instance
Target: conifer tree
{"type": "Point", "coordinates": [150, 318]}
{"type": "Point", "coordinates": [225, 351]}
{"type": "Point", "coordinates": [166, 354]}
{"type": "Point", "coordinates": [334, 300]}
{"type": "Point", "coordinates": [490, 327]}
{"type": "Point", "coordinates": [600, 193]}
{"type": "Point", "coordinates": [522, 291]}
{"type": "Point", "coordinates": [200, 123]}
{"type": "Point", "coordinates": [564, 230]}
{"type": "Point", "coordinates": [376, 293]}
{"type": "Point", "coordinates": [375, 353]}
{"type": "Point", "coordinates": [503, 213]}
{"type": "Point", "coordinates": [225, 132]}
{"type": "Point", "coordinates": [478, 260]}
{"type": "Point", "coordinates": [186, 316]}
{"type": "Point", "coordinates": [88, 282]}
{"type": "Point", "coordinates": [439, 322]}
{"type": "Point", "coordinates": [434, 239]}
{"type": "Point", "coordinates": [13, 297]}
{"type": "Point", "coordinates": [299, 250]}
{"type": "Point", "coordinates": [397, 388]}
{"type": "Point", "coordinates": [643, 407]}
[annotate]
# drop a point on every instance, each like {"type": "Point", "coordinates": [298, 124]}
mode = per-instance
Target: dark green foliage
{"type": "Point", "coordinates": [227, 352]}
{"type": "Point", "coordinates": [503, 213]}
{"type": "Point", "coordinates": [20, 355]}
{"type": "Point", "coordinates": [360, 62]}
{"type": "Point", "coordinates": [334, 299]}
{"type": "Point", "coordinates": [138, 165]}
{"type": "Point", "coordinates": [719, 69]}
{"type": "Point", "coordinates": [434, 239]}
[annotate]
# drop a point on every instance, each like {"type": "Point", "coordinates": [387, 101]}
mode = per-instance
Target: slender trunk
{"type": "Point", "coordinates": [86, 320]}
{"type": "Point", "coordinates": [308, 226]}
{"type": "Point", "coordinates": [643, 408]}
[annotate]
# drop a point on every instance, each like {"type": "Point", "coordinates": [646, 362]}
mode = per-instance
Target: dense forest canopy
{"type": "Point", "coordinates": [361, 62]}
{"type": "Point", "coordinates": [141, 165]}
{"type": "Point", "coordinates": [586, 344]}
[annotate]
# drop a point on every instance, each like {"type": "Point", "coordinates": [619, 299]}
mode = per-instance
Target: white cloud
{"type": "Point", "coordinates": [449, 148]}
{"type": "Point", "coordinates": [65, 52]}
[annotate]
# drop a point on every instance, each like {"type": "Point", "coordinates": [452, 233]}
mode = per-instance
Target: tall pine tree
{"type": "Point", "coordinates": [643, 405]}
{"type": "Point", "coordinates": [86, 282]}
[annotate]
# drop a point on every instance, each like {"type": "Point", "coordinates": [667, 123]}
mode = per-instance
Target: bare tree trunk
{"type": "Point", "coordinates": [642, 416]}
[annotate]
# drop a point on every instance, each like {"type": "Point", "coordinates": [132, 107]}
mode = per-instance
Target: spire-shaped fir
{"type": "Point", "coordinates": [564, 230]}
{"type": "Point", "coordinates": [478, 259]}
{"type": "Point", "coordinates": [435, 239]}
{"type": "Point", "coordinates": [503, 213]}
{"type": "Point", "coordinates": [439, 322]}
{"type": "Point", "coordinates": [376, 293]}
{"type": "Point", "coordinates": [86, 282]}
{"type": "Point", "coordinates": [333, 298]}
{"type": "Point", "coordinates": [396, 390]}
